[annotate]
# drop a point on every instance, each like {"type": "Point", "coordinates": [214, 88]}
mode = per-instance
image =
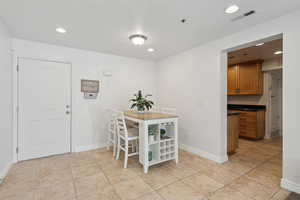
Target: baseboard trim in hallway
{"type": "Point", "coordinates": [290, 185]}
{"type": "Point", "coordinates": [5, 171]}
{"type": "Point", "coordinates": [89, 147]}
{"type": "Point", "coordinates": [204, 154]}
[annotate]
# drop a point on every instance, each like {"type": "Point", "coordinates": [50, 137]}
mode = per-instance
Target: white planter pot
{"type": "Point", "coordinates": [151, 138]}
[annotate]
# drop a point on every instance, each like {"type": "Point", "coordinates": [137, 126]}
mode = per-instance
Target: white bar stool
{"type": "Point", "coordinates": [112, 130]}
{"type": "Point", "coordinates": [126, 136]}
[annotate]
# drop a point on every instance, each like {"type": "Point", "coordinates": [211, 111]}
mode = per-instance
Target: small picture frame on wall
{"type": "Point", "coordinates": [90, 88]}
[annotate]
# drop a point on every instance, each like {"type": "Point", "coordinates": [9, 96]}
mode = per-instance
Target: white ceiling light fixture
{"type": "Point", "coordinates": [231, 9]}
{"type": "Point", "coordinates": [150, 49]}
{"type": "Point", "coordinates": [278, 52]}
{"type": "Point", "coordinates": [260, 44]}
{"type": "Point", "coordinates": [60, 30]}
{"type": "Point", "coordinates": [138, 39]}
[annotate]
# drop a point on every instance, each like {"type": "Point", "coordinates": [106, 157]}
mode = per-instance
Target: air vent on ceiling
{"type": "Point", "coordinates": [251, 12]}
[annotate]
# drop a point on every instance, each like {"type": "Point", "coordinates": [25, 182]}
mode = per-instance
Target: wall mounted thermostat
{"type": "Point", "coordinates": [90, 88]}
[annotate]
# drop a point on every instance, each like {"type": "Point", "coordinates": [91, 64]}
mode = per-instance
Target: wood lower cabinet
{"type": "Point", "coordinates": [233, 129]}
{"type": "Point", "coordinates": [252, 124]}
{"type": "Point", "coordinates": [245, 78]}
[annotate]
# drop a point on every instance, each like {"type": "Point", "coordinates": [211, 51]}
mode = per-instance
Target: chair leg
{"type": "Point", "coordinates": [115, 144]}
{"type": "Point", "coordinates": [126, 159]}
{"type": "Point", "coordinates": [126, 154]}
{"type": "Point", "coordinates": [118, 149]}
{"type": "Point", "coordinates": [114, 149]}
{"type": "Point", "coordinates": [137, 145]}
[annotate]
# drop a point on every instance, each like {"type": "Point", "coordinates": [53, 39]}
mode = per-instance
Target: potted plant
{"type": "Point", "coordinates": [142, 103]}
{"type": "Point", "coordinates": [151, 131]}
{"type": "Point", "coordinates": [162, 133]}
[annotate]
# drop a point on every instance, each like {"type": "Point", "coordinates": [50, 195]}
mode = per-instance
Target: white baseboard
{"type": "Point", "coordinates": [5, 171]}
{"type": "Point", "coordinates": [291, 186]}
{"type": "Point", "coordinates": [199, 152]}
{"type": "Point", "coordinates": [89, 147]}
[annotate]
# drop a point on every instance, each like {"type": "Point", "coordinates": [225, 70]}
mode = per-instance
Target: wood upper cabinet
{"type": "Point", "coordinates": [232, 83]}
{"type": "Point", "coordinates": [245, 78]}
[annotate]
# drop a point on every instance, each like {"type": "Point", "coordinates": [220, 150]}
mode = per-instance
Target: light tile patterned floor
{"type": "Point", "coordinates": [254, 172]}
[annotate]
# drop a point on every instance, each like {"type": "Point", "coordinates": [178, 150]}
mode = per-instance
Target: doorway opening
{"type": "Point", "coordinates": [254, 109]}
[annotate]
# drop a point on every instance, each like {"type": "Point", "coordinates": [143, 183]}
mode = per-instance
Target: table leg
{"type": "Point", "coordinates": [143, 145]}
{"type": "Point", "coordinates": [146, 169]}
{"type": "Point", "coordinates": [176, 140]}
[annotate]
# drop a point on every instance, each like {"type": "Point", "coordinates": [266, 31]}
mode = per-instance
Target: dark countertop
{"type": "Point", "coordinates": [246, 107]}
{"type": "Point", "coordinates": [230, 113]}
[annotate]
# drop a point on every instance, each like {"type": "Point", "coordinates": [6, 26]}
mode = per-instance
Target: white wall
{"type": "Point", "coordinates": [128, 76]}
{"type": "Point", "coordinates": [195, 82]}
{"type": "Point", "coordinates": [189, 82]}
{"type": "Point", "coordinates": [5, 101]}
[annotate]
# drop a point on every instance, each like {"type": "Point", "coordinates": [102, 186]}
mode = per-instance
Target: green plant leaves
{"type": "Point", "coordinates": [141, 102]}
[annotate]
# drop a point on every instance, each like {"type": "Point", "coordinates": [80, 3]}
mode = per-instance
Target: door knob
{"type": "Point", "coordinates": [67, 112]}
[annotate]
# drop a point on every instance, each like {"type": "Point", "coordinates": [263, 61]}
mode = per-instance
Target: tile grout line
{"type": "Point", "coordinates": [179, 179]}
{"type": "Point", "coordinates": [108, 180]}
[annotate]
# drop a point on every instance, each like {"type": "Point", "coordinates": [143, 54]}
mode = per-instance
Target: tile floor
{"type": "Point", "coordinates": [254, 172]}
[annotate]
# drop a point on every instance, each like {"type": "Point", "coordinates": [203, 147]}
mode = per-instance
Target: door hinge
{"type": "Point", "coordinates": [18, 68]}
{"type": "Point", "coordinates": [17, 150]}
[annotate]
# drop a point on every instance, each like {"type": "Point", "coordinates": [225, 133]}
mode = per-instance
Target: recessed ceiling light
{"type": "Point", "coordinates": [60, 30]}
{"type": "Point", "coordinates": [277, 52]}
{"type": "Point", "coordinates": [151, 49]}
{"type": "Point", "coordinates": [232, 9]}
{"type": "Point", "coordinates": [260, 44]}
{"type": "Point", "coordinates": [138, 39]}
{"type": "Point", "coordinates": [183, 21]}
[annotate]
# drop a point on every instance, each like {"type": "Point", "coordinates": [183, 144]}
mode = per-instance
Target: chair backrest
{"type": "Point", "coordinates": [171, 111]}
{"type": "Point", "coordinates": [121, 125]}
{"type": "Point", "coordinates": [112, 114]}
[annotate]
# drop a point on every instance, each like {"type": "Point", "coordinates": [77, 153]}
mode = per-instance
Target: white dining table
{"type": "Point", "coordinates": [164, 147]}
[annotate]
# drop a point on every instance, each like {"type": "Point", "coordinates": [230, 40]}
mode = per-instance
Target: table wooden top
{"type": "Point", "coordinates": [148, 115]}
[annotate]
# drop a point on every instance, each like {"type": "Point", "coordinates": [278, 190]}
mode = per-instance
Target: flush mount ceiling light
{"type": "Point", "coordinates": [259, 44]}
{"type": "Point", "coordinates": [150, 49]}
{"type": "Point", "coordinates": [138, 39]}
{"type": "Point", "coordinates": [278, 52]}
{"type": "Point", "coordinates": [232, 9]}
{"type": "Point", "coordinates": [60, 30]}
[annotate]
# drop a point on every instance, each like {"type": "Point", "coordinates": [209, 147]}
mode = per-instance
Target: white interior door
{"type": "Point", "coordinates": [44, 108]}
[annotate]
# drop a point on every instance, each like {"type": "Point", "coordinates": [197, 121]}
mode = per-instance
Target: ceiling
{"type": "Point", "coordinates": [105, 25]}
{"type": "Point", "coordinates": [264, 52]}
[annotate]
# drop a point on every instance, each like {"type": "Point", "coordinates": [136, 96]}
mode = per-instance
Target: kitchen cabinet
{"type": "Point", "coordinates": [245, 78]}
{"type": "Point", "coordinates": [233, 129]}
{"type": "Point", "coordinates": [232, 83]}
{"type": "Point", "coordinates": [252, 124]}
